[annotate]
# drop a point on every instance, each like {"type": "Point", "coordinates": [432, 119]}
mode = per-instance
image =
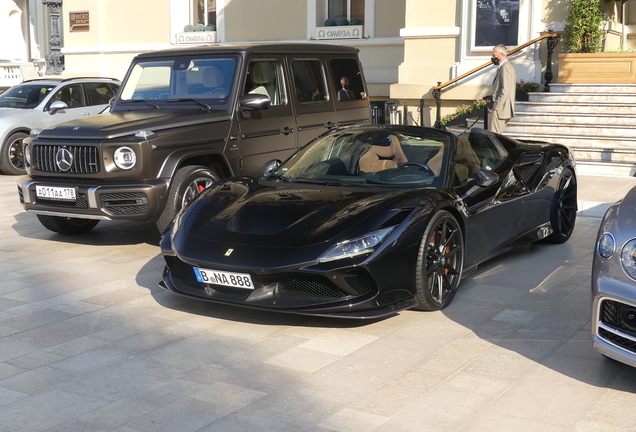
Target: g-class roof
{"type": "Point", "coordinates": [272, 48]}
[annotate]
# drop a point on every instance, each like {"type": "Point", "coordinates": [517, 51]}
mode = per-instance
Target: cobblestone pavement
{"type": "Point", "coordinates": [88, 342]}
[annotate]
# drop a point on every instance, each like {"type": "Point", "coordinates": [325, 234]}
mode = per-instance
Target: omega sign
{"type": "Point", "coordinates": [339, 32]}
{"type": "Point", "coordinates": [195, 38]}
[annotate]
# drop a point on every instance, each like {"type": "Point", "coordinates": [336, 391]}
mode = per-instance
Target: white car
{"type": "Point", "coordinates": [46, 102]}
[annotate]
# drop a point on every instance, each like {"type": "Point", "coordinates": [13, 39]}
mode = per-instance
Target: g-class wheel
{"type": "Point", "coordinates": [67, 225]}
{"type": "Point", "coordinates": [188, 182]}
{"type": "Point", "coordinates": [12, 160]}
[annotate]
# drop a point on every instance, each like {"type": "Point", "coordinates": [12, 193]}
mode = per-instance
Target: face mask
{"type": "Point", "coordinates": [494, 60]}
{"type": "Point", "coordinates": [346, 86]}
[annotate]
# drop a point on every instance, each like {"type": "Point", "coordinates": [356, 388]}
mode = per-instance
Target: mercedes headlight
{"type": "Point", "coordinates": [628, 258]}
{"type": "Point", "coordinates": [125, 158]}
{"type": "Point", "coordinates": [357, 246]}
{"type": "Point", "coordinates": [27, 154]}
{"type": "Point", "coordinates": [606, 245]}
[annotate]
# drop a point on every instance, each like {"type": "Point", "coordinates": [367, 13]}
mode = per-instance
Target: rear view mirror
{"type": "Point", "coordinates": [486, 178]}
{"type": "Point", "coordinates": [255, 102]}
{"type": "Point", "coordinates": [270, 166]}
{"type": "Point", "coordinates": [57, 106]}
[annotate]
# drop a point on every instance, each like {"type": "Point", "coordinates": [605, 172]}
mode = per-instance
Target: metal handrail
{"type": "Point", "coordinates": [552, 40]}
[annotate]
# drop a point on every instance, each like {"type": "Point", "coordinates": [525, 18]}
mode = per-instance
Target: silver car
{"type": "Point", "coordinates": [46, 102]}
{"type": "Point", "coordinates": [614, 283]}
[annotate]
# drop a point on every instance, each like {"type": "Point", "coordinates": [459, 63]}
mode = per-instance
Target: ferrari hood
{"type": "Point", "coordinates": [287, 216]}
{"type": "Point", "coordinates": [117, 124]}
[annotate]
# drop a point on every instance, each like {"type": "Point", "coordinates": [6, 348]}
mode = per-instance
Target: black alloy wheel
{"type": "Point", "coordinates": [564, 206]}
{"type": "Point", "coordinates": [439, 263]}
{"type": "Point", "coordinates": [187, 183]}
{"type": "Point", "coordinates": [12, 160]}
{"type": "Point", "coordinates": [66, 225]}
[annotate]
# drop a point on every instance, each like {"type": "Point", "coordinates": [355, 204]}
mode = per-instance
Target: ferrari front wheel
{"type": "Point", "coordinates": [439, 262]}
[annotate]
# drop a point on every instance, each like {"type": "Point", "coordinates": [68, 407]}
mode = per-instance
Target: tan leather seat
{"type": "Point", "coordinates": [386, 154]}
{"type": "Point", "coordinates": [264, 76]}
{"type": "Point", "coordinates": [213, 78]}
{"type": "Point", "coordinates": [466, 163]}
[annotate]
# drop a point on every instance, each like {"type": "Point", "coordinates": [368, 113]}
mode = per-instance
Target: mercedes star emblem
{"type": "Point", "coordinates": [64, 159]}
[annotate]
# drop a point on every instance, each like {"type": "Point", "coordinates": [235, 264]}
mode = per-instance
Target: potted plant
{"type": "Point", "coordinates": [462, 111]}
{"type": "Point", "coordinates": [523, 88]}
{"type": "Point", "coordinates": [584, 62]}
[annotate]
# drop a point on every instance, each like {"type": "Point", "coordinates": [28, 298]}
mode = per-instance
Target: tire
{"type": "Point", "coordinates": [563, 210]}
{"type": "Point", "coordinates": [12, 159]}
{"type": "Point", "coordinates": [69, 226]}
{"type": "Point", "coordinates": [439, 262]}
{"type": "Point", "coordinates": [189, 182]}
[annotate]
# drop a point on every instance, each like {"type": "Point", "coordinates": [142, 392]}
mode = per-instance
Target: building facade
{"type": "Point", "coordinates": [406, 46]}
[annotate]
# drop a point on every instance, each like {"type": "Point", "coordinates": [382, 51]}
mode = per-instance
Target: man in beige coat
{"type": "Point", "coordinates": [503, 91]}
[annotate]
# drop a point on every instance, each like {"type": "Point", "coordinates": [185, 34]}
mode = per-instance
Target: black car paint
{"type": "Point", "coordinates": [494, 219]}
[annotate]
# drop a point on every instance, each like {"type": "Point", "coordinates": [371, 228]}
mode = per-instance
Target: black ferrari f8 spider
{"type": "Point", "coordinates": [366, 221]}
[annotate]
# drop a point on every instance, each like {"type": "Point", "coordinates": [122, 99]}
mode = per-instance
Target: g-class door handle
{"type": "Point", "coordinates": [329, 125]}
{"type": "Point", "coordinates": [286, 130]}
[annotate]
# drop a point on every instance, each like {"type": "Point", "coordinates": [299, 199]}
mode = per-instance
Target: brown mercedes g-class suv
{"type": "Point", "coordinates": [184, 119]}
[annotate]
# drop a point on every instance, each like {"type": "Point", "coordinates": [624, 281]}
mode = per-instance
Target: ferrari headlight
{"type": "Point", "coordinates": [125, 158]}
{"type": "Point", "coordinates": [628, 258]}
{"type": "Point", "coordinates": [357, 246]}
{"type": "Point", "coordinates": [606, 246]}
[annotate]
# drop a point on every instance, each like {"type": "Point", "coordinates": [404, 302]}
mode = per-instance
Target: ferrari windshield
{"type": "Point", "coordinates": [180, 83]}
{"type": "Point", "coordinates": [25, 96]}
{"type": "Point", "coordinates": [373, 156]}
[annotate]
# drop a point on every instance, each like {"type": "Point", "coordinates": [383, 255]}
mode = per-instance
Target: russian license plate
{"type": "Point", "coordinates": [56, 193]}
{"type": "Point", "coordinates": [216, 277]}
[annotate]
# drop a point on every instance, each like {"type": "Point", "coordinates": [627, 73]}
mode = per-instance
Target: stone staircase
{"type": "Point", "coordinates": [596, 121]}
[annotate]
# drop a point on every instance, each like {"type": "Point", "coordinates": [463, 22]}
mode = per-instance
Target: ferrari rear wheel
{"type": "Point", "coordinates": [439, 262]}
{"type": "Point", "coordinates": [563, 211]}
{"type": "Point", "coordinates": [187, 183]}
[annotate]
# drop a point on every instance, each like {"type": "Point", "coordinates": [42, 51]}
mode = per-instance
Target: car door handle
{"type": "Point", "coordinates": [86, 113]}
{"type": "Point", "coordinates": [329, 125]}
{"type": "Point", "coordinates": [286, 130]}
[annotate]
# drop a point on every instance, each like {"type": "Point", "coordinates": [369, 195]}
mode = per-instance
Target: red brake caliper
{"type": "Point", "coordinates": [201, 188]}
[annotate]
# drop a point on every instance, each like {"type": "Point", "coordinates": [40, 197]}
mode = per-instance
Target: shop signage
{"type": "Point", "coordinates": [189, 38]}
{"type": "Point", "coordinates": [339, 32]}
{"type": "Point", "coordinates": [79, 21]}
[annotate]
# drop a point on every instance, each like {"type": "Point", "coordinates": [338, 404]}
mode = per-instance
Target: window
{"type": "Point", "coordinates": [496, 22]}
{"type": "Point", "coordinates": [309, 81]}
{"type": "Point", "coordinates": [25, 96]}
{"type": "Point", "coordinates": [100, 93]}
{"type": "Point", "coordinates": [204, 12]}
{"type": "Point", "coordinates": [266, 78]}
{"type": "Point", "coordinates": [348, 80]}
{"type": "Point", "coordinates": [345, 9]}
{"type": "Point", "coordinates": [72, 96]}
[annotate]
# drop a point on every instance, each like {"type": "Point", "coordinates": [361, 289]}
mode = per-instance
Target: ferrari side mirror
{"type": "Point", "coordinates": [486, 178]}
{"type": "Point", "coordinates": [270, 166]}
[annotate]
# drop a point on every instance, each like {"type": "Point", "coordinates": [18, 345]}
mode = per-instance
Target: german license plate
{"type": "Point", "coordinates": [216, 277]}
{"type": "Point", "coordinates": [56, 193]}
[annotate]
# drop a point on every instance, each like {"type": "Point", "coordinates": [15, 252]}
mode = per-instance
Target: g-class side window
{"type": "Point", "coordinates": [309, 81]}
{"type": "Point", "coordinates": [347, 80]}
{"type": "Point", "coordinates": [266, 78]}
